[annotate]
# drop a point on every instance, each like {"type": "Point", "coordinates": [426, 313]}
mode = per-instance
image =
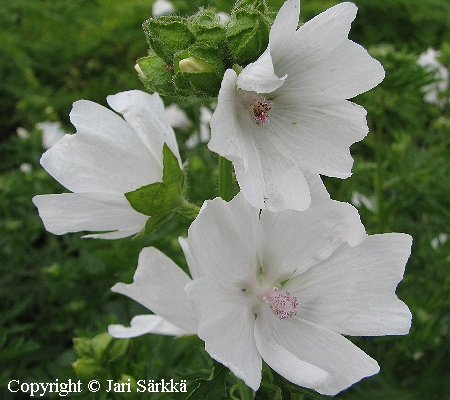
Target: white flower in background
{"type": "Point", "coordinates": [162, 7]}
{"type": "Point", "coordinates": [176, 117]}
{"type": "Point", "coordinates": [158, 284]}
{"type": "Point", "coordinates": [224, 17]}
{"type": "Point", "coordinates": [51, 133]}
{"type": "Point", "coordinates": [359, 199]}
{"type": "Point", "coordinates": [26, 168]}
{"type": "Point", "coordinates": [430, 63]}
{"type": "Point", "coordinates": [287, 111]}
{"type": "Point", "coordinates": [285, 287]}
{"type": "Point", "coordinates": [22, 133]}
{"type": "Point", "coordinates": [204, 133]}
{"type": "Point", "coordinates": [106, 158]}
{"type": "Point", "coordinates": [439, 240]}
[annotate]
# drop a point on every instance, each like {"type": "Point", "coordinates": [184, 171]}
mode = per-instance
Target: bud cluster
{"type": "Point", "coordinates": [188, 56]}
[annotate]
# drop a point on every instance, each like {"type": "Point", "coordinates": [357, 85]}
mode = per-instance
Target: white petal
{"type": "Point", "coordinates": [145, 113]}
{"type": "Point", "coordinates": [195, 272]}
{"type": "Point", "coordinates": [259, 76]}
{"type": "Point", "coordinates": [158, 284]}
{"type": "Point", "coordinates": [284, 26]}
{"type": "Point", "coordinates": [319, 346]}
{"type": "Point", "coordinates": [316, 130]}
{"type": "Point", "coordinates": [319, 58]}
{"type": "Point", "coordinates": [227, 137]}
{"type": "Point", "coordinates": [290, 242]}
{"type": "Point", "coordinates": [105, 154]}
{"type": "Point", "coordinates": [300, 50]}
{"type": "Point", "coordinates": [74, 212]}
{"type": "Point", "coordinates": [345, 72]}
{"type": "Point", "coordinates": [222, 240]}
{"type": "Point", "coordinates": [226, 324]}
{"type": "Point", "coordinates": [285, 185]}
{"type": "Point", "coordinates": [283, 361]}
{"type": "Point", "coordinates": [353, 291]}
{"type": "Point", "coordinates": [142, 324]}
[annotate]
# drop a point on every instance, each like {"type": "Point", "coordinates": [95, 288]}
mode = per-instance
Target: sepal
{"type": "Point", "coordinates": [156, 75]}
{"type": "Point", "coordinates": [167, 35]}
{"type": "Point", "coordinates": [198, 71]}
{"type": "Point", "coordinates": [208, 29]}
{"type": "Point", "coordinates": [247, 35]}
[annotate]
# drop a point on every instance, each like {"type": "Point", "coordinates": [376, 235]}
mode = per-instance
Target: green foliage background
{"type": "Point", "coordinates": [54, 288]}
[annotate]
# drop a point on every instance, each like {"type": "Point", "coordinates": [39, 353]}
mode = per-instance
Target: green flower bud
{"type": "Point", "coordinates": [259, 5]}
{"type": "Point", "coordinates": [118, 349]}
{"type": "Point", "coordinates": [168, 35]}
{"type": "Point", "coordinates": [100, 344]}
{"type": "Point", "coordinates": [247, 35]}
{"type": "Point", "coordinates": [192, 64]}
{"type": "Point", "coordinates": [156, 75]}
{"type": "Point", "coordinates": [87, 368]}
{"type": "Point", "coordinates": [130, 385]}
{"type": "Point", "coordinates": [198, 71]}
{"type": "Point", "coordinates": [83, 347]}
{"type": "Point", "coordinates": [208, 29]}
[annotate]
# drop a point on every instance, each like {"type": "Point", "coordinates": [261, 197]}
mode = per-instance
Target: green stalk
{"type": "Point", "coordinates": [225, 179]}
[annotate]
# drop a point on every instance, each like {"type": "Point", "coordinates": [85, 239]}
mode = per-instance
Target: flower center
{"type": "Point", "coordinates": [261, 108]}
{"type": "Point", "coordinates": [282, 305]}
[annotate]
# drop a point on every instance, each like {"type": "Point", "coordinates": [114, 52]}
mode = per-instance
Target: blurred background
{"type": "Point", "coordinates": [56, 288]}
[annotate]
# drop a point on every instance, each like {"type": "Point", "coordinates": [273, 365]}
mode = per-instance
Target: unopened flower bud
{"type": "Point", "coordinates": [156, 75]}
{"type": "Point", "coordinates": [168, 35]}
{"type": "Point", "coordinates": [192, 64]}
{"type": "Point", "coordinates": [247, 35]}
{"type": "Point", "coordinates": [198, 71]}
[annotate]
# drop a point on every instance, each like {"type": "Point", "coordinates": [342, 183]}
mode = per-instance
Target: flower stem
{"type": "Point", "coordinates": [225, 179]}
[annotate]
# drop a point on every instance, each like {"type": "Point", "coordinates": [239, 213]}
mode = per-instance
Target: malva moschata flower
{"type": "Point", "coordinates": [107, 157]}
{"type": "Point", "coordinates": [286, 286]}
{"type": "Point", "coordinates": [288, 111]}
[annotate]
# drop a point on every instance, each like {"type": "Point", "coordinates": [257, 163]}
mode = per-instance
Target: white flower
{"type": "Point", "coordinates": [51, 133]}
{"type": "Point", "coordinates": [176, 117]}
{"type": "Point", "coordinates": [205, 133]}
{"type": "Point", "coordinates": [287, 110]}
{"type": "Point", "coordinates": [26, 168]}
{"type": "Point", "coordinates": [285, 287]}
{"type": "Point", "coordinates": [429, 61]}
{"type": "Point", "coordinates": [158, 284]}
{"type": "Point", "coordinates": [162, 7]}
{"type": "Point", "coordinates": [106, 158]}
{"type": "Point", "coordinates": [22, 132]}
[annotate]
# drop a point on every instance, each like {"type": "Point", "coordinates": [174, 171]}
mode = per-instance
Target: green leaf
{"type": "Point", "coordinates": [154, 223]}
{"type": "Point", "coordinates": [172, 173]}
{"type": "Point", "coordinates": [160, 198]}
{"type": "Point", "coordinates": [213, 388]}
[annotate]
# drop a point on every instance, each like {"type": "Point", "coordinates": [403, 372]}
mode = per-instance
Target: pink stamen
{"type": "Point", "coordinates": [261, 109]}
{"type": "Point", "coordinates": [282, 305]}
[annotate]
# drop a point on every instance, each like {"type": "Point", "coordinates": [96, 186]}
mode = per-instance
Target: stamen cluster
{"type": "Point", "coordinates": [261, 110]}
{"type": "Point", "coordinates": [283, 305]}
